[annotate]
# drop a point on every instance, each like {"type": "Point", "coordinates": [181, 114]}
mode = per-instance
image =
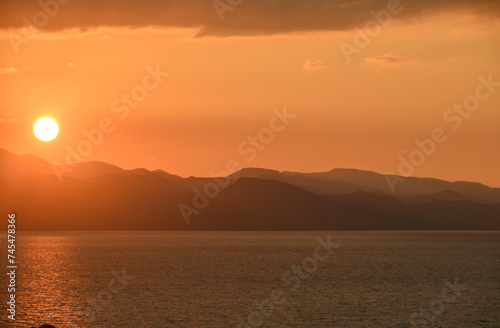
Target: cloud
{"type": "Point", "coordinates": [98, 33]}
{"type": "Point", "coordinates": [7, 120]}
{"type": "Point", "coordinates": [8, 70]}
{"type": "Point", "coordinates": [312, 66]}
{"type": "Point", "coordinates": [350, 3]}
{"type": "Point", "coordinates": [251, 17]}
{"type": "Point", "coordinates": [389, 59]}
{"type": "Point", "coordinates": [72, 65]}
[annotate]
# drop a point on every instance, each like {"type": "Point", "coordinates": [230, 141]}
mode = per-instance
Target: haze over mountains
{"type": "Point", "coordinates": [100, 196]}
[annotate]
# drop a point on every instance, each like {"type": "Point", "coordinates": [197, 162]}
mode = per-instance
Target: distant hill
{"type": "Point", "coordinates": [306, 181]}
{"type": "Point", "coordinates": [12, 165]}
{"type": "Point", "coordinates": [374, 182]}
{"type": "Point", "coordinates": [343, 181]}
{"type": "Point", "coordinates": [100, 196]}
{"type": "Point", "coordinates": [447, 195]}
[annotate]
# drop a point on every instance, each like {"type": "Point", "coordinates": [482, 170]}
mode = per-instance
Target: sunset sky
{"type": "Point", "coordinates": [225, 77]}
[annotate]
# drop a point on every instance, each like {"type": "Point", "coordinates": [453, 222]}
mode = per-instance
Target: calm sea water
{"type": "Point", "coordinates": [211, 279]}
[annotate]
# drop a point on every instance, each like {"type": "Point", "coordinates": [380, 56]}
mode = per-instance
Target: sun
{"type": "Point", "coordinates": [46, 129]}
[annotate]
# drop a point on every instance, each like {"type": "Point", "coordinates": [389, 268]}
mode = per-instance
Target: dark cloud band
{"type": "Point", "coordinates": [223, 17]}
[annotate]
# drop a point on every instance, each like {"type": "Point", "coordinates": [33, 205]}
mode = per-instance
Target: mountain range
{"type": "Point", "coordinates": [100, 196]}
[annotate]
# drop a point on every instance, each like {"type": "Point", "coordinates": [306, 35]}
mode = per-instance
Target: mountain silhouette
{"type": "Point", "coordinates": [99, 196]}
{"type": "Point", "coordinates": [344, 181]}
{"type": "Point", "coordinates": [446, 195]}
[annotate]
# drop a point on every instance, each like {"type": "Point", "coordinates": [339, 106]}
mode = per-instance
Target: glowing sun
{"type": "Point", "coordinates": [46, 129]}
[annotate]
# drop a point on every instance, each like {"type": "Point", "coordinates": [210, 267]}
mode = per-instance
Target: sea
{"type": "Point", "coordinates": [352, 279]}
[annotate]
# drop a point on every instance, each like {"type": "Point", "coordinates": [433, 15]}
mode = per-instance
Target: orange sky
{"type": "Point", "coordinates": [225, 78]}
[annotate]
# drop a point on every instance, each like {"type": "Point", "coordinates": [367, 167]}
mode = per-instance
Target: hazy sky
{"type": "Point", "coordinates": [363, 80]}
